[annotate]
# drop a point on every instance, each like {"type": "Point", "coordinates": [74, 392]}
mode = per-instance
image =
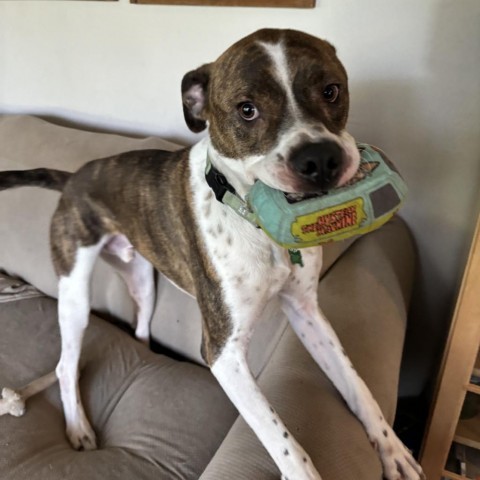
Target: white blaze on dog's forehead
{"type": "Point", "coordinates": [276, 51]}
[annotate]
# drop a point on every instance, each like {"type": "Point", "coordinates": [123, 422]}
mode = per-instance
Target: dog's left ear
{"type": "Point", "coordinates": [194, 97]}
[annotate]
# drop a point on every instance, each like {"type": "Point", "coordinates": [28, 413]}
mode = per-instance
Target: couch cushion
{"type": "Point", "coordinates": [154, 417]}
{"type": "Point", "coordinates": [29, 142]}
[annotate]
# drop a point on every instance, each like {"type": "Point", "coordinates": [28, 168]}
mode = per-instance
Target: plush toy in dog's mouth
{"type": "Point", "coordinates": [296, 221]}
{"type": "Point", "coordinates": [366, 202]}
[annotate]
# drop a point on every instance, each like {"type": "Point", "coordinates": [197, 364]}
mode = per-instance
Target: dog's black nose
{"type": "Point", "coordinates": [318, 162]}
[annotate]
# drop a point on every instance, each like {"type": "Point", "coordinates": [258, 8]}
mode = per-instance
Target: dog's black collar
{"type": "Point", "coordinates": [218, 182]}
{"type": "Point", "coordinates": [226, 194]}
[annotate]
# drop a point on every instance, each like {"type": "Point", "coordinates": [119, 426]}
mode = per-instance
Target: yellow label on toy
{"type": "Point", "coordinates": [330, 222]}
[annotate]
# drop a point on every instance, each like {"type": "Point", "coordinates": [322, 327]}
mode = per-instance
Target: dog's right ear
{"type": "Point", "coordinates": [194, 97]}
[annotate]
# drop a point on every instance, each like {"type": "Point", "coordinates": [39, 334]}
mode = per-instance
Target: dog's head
{"type": "Point", "coordinates": [276, 104]}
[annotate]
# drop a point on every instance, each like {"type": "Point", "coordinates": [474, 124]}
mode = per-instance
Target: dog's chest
{"type": "Point", "coordinates": [241, 253]}
{"type": "Point", "coordinates": [246, 260]}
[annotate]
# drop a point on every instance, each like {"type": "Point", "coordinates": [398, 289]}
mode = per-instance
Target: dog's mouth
{"type": "Point", "coordinates": [363, 170]}
{"type": "Point", "coordinates": [300, 197]}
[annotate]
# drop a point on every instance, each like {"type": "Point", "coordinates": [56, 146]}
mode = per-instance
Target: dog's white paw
{"type": "Point", "coordinates": [82, 437]}
{"type": "Point", "coordinates": [143, 336]}
{"type": "Point", "coordinates": [397, 461]}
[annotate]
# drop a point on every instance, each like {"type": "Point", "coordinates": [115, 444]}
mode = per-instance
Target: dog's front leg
{"type": "Point", "coordinates": [299, 301]}
{"type": "Point", "coordinates": [233, 374]}
{"type": "Point", "coordinates": [244, 303]}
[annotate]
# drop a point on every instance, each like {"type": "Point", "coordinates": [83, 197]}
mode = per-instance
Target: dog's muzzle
{"type": "Point", "coordinates": [319, 163]}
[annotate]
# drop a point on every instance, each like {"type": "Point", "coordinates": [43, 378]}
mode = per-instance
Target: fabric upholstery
{"type": "Point", "coordinates": [155, 418]}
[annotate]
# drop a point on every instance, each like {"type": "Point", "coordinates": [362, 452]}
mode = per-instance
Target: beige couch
{"type": "Point", "coordinates": [158, 417]}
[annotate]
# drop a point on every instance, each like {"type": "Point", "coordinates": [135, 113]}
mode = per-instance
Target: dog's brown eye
{"type": "Point", "coordinates": [248, 111]}
{"type": "Point", "coordinates": [330, 93]}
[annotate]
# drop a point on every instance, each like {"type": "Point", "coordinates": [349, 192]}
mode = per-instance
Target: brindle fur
{"type": "Point", "coordinates": [38, 177]}
{"type": "Point", "coordinates": [104, 197]}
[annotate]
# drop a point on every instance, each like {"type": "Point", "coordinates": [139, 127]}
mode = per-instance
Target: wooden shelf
{"type": "Point", "coordinates": [454, 476]}
{"type": "Point", "coordinates": [471, 387]}
{"type": "Point", "coordinates": [468, 432]}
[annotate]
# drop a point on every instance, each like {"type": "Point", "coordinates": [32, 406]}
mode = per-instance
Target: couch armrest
{"type": "Point", "coordinates": [365, 295]}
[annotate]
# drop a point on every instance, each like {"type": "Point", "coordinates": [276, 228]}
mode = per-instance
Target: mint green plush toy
{"type": "Point", "coordinates": [368, 201]}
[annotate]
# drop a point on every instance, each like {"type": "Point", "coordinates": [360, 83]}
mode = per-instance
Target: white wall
{"type": "Point", "coordinates": [414, 77]}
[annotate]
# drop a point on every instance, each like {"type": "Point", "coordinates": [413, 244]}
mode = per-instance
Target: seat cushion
{"type": "Point", "coordinates": [154, 417]}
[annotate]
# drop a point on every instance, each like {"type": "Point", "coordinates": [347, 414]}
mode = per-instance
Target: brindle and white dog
{"type": "Point", "coordinates": [276, 105]}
